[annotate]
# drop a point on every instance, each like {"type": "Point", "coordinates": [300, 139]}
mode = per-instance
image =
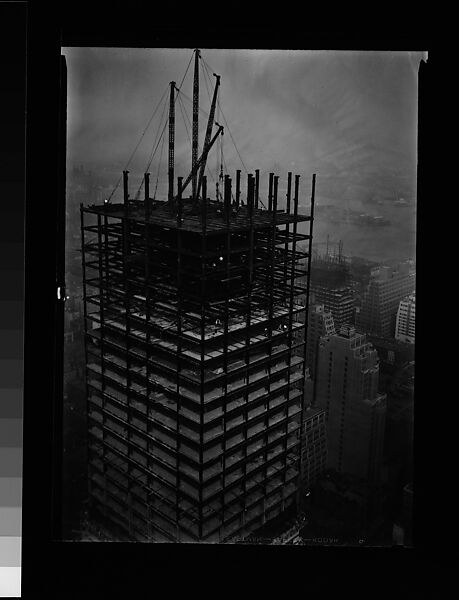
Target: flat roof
{"type": "Point", "coordinates": [164, 215]}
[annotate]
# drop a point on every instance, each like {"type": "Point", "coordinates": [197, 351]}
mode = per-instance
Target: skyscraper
{"type": "Point", "coordinates": [406, 320]}
{"type": "Point", "coordinates": [313, 447]}
{"type": "Point", "coordinates": [347, 387]}
{"type": "Point", "coordinates": [320, 322]}
{"type": "Point", "coordinates": [330, 286]}
{"type": "Point", "coordinates": [338, 300]}
{"type": "Point", "coordinates": [195, 392]}
{"type": "Point", "coordinates": [381, 299]}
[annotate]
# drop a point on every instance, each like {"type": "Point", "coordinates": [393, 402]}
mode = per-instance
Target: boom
{"type": "Point", "coordinates": [171, 140]}
{"type": "Point", "coordinates": [194, 145]}
{"type": "Point", "coordinates": [203, 157]}
{"type": "Point", "coordinates": [208, 133]}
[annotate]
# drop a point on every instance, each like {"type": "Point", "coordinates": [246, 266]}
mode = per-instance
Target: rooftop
{"type": "Point", "coordinates": [165, 215]}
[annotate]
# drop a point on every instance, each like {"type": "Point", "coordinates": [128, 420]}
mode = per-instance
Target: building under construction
{"type": "Point", "coordinates": [194, 375]}
{"type": "Point", "coordinates": [331, 286]}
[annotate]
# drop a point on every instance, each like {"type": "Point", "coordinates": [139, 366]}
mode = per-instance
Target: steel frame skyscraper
{"type": "Point", "coordinates": [194, 379]}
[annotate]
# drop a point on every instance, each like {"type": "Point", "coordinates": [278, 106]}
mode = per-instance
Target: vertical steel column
{"type": "Point", "coordinates": [147, 334]}
{"type": "Point", "coordinates": [147, 196]}
{"type": "Point", "coordinates": [227, 289]}
{"type": "Point", "coordinates": [106, 288]}
{"type": "Point", "coordinates": [127, 304]}
{"type": "Point", "coordinates": [202, 336]}
{"type": "Point", "coordinates": [179, 349]}
{"type": "Point", "coordinates": [271, 253]}
{"type": "Point", "coordinates": [270, 208]}
{"type": "Point", "coordinates": [85, 333]}
{"type": "Point", "coordinates": [290, 320]}
{"type": "Point", "coordinates": [287, 230]}
{"type": "Point", "coordinates": [106, 256]}
{"type": "Point", "coordinates": [270, 192]}
{"type": "Point", "coordinates": [311, 223]}
{"type": "Point", "coordinates": [295, 227]}
{"type": "Point", "coordinates": [250, 193]}
{"type": "Point", "coordinates": [204, 203]}
{"type": "Point", "coordinates": [171, 141]}
{"type": "Point", "coordinates": [102, 344]}
{"type": "Point", "coordinates": [238, 187]}
{"type": "Point", "coordinates": [195, 132]}
{"type": "Point", "coordinates": [257, 186]}
{"type": "Point", "coordinates": [292, 289]}
{"type": "Point", "coordinates": [226, 200]}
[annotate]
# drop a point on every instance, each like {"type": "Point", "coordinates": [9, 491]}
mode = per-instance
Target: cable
{"type": "Point", "coordinates": [138, 144]}
{"type": "Point", "coordinates": [152, 155]}
{"type": "Point", "coordinates": [229, 131]}
{"type": "Point", "coordinates": [162, 133]}
{"type": "Point", "coordinates": [232, 139]}
{"type": "Point", "coordinates": [226, 123]}
{"type": "Point", "coordinates": [182, 110]}
{"type": "Point", "coordinates": [205, 81]}
{"type": "Point", "coordinates": [156, 138]}
{"type": "Point", "coordinates": [159, 166]}
{"type": "Point", "coordinates": [154, 148]}
{"type": "Point", "coordinates": [186, 118]}
{"type": "Point", "coordinates": [191, 101]}
{"type": "Point", "coordinates": [226, 171]}
{"type": "Point", "coordinates": [143, 134]}
{"type": "Point", "coordinates": [183, 78]}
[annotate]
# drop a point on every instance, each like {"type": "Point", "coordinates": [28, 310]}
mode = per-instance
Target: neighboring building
{"type": "Point", "coordinates": [407, 512]}
{"type": "Point", "coordinates": [308, 389]}
{"type": "Point", "coordinates": [380, 302]}
{"type": "Point", "coordinates": [347, 387]}
{"type": "Point", "coordinates": [392, 353]}
{"type": "Point", "coordinates": [314, 446]}
{"type": "Point", "coordinates": [338, 301]}
{"type": "Point", "coordinates": [320, 322]}
{"type": "Point", "coordinates": [196, 395]}
{"type": "Point", "coordinates": [402, 531]}
{"type": "Point", "coordinates": [331, 286]}
{"type": "Point", "coordinates": [73, 358]}
{"type": "Point", "coordinates": [406, 320]}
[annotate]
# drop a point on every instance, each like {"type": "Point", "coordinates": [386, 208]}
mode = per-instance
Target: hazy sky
{"type": "Point", "coordinates": [350, 117]}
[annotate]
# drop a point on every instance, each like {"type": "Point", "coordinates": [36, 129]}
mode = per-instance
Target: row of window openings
{"type": "Point", "coordinates": [193, 415]}
{"type": "Point", "coordinates": [138, 519]}
{"type": "Point", "coordinates": [290, 437]}
{"type": "Point", "coordinates": [276, 476]}
{"type": "Point", "coordinates": [120, 487]}
{"type": "Point", "coordinates": [162, 436]}
{"type": "Point", "coordinates": [218, 429]}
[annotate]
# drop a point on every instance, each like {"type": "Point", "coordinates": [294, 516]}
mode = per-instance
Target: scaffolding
{"type": "Point", "coordinates": [195, 316]}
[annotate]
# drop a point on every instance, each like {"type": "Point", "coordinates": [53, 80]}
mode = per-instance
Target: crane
{"type": "Point", "coordinates": [194, 145]}
{"type": "Point", "coordinates": [203, 157]}
{"type": "Point", "coordinates": [171, 139]}
{"type": "Point", "coordinates": [208, 132]}
{"type": "Point", "coordinates": [196, 164]}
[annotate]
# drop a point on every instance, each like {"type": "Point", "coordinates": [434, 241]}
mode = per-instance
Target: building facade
{"type": "Point", "coordinates": [405, 325]}
{"type": "Point", "coordinates": [380, 302]}
{"type": "Point", "coordinates": [195, 383]}
{"type": "Point", "coordinates": [320, 323]}
{"type": "Point", "coordinates": [314, 447]}
{"type": "Point", "coordinates": [347, 388]}
{"type": "Point", "coordinates": [339, 301]}
{"type": "Point", "coordinates": [331, 286]}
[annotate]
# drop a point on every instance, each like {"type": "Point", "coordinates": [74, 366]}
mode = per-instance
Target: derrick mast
{"type": "Point", "coordinates": [194, 146]}
{"type": "Point", "coordinates": [171, 140]}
